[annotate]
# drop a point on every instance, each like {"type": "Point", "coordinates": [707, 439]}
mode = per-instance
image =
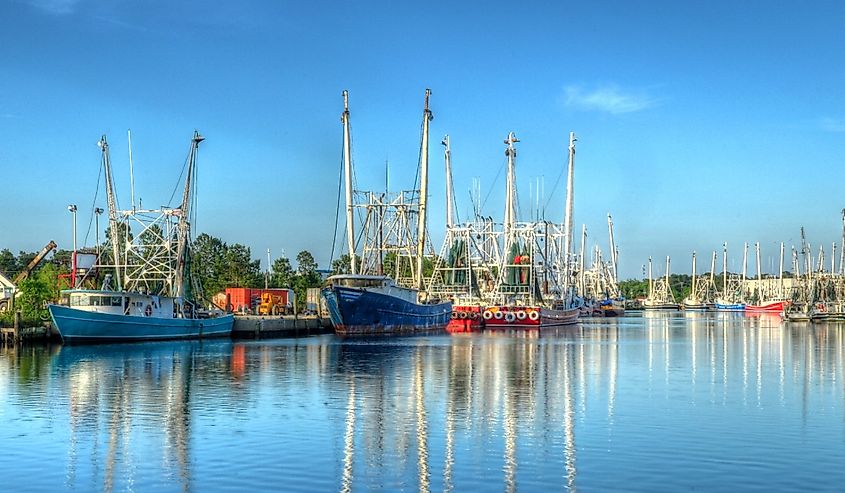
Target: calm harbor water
{"type": "Point", "coordinates": [647, 402]}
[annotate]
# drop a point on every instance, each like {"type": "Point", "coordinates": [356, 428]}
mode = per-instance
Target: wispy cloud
{"type": "Point", "coordinates": [55, 7]}
{"type": "Point", "coordinates": [835, 125]}
{"type": "Point", "coordinates": [609, 99]}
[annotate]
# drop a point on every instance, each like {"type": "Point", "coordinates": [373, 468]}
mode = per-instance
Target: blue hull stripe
{"type": "Point", "coordinates": [83, 326]}
{"type": "Point", "coordinates": [355, 311]}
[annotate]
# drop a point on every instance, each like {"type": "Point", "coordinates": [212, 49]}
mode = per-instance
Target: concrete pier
{"type": "Point", "coordinates": [259, 327]}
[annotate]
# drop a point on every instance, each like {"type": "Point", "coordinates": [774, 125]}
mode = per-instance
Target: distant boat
{"type": "Point", "coordinates": [154, 262]}
{"type": "Point", "coordinates": [773, 306]}
{"type": "Point", "coordinates": [367, 304]}
{"type": "Point", "coordinates": [723, 306]}
{"type": "Point", "coordinates": [660, 295]}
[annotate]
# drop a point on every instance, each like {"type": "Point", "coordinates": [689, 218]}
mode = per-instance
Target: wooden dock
{"type": "Point", "coordinates": [260, 327]}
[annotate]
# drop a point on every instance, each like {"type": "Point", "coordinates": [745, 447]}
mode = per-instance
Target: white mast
{"type": "Point", "coordinates": [842, 249]}
{"type": "Point", "coordinates": [184, 215]}
{"type": "Point", "coordinates": [692, 289]}
{"type": "Point", "coordinates": [744, 263]}
{"type": "Point", "coordinates": [614, 268]}
{"type": "Point", "coordinates": [347, 170]}
{"type": "Point", "coordinates": [650, 281]}
{"type": "Point", "coordinates": [781, 290]}
{"type": "Point", "coordinates": [114, 224]}
{"type": "Point", "coordinates": [567, 218]}
{"type": "Point", "coordinates": [131, 169]}
{"type": "Point", "coordinates": [713, 271]}
{"type": "Point", "coordinates": [725, 270]}
{"type": "Point", "coordinates": [450, 221]}
{"type": "Point", "coordinates": [427, 116]}
{"type": "Point", "coordinates": [667, 271]}
{"type": "Point", "coordinates": [759, 271]}
{"type": "Point", "coordinates": [510, 193]}
{"type": "Point", "coordinates": [582, 285]}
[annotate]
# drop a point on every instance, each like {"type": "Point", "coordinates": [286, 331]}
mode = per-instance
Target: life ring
{"type": "Point", "coordinates": [148, 310]}
{"type": "Point", "coordinates": [498, 315]}
{"type": "Point", "coordinates": [520, 315]}
{"type": "Point", "coordinates": [474, 315]}
{"type": "Point", "coordinates": [510, 317]}
{"type": "Point", "coordinates": [533, 316]}
{"type": "Point", "coordinates": [462, 315]}
{"type": "Point", "coordinates": [487, 315]}
{"type": "Point", "coordinates": [454, 314]}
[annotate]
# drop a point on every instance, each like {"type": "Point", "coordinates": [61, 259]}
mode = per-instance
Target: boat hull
{"type": "Point", "coordinates": [729, 307]}
{"type": "Point", "coordinates": [771, 307]}
{"type": "Point", "coordinates": [531, 317]}
{"type": "Point", "coordinates": [79, 326]}
{"type": "Point", "coordinates": [360, 312]}
{"type": "Point", "coordinates": [465, 318]}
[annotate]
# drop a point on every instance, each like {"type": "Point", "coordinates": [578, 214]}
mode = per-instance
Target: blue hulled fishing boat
{"type": "Point", "coordinates": [365, 301]}
{"type": "Point", "coordinates": [154, 296]}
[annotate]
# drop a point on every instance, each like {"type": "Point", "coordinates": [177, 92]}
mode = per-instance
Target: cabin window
{"type": "Point", "coordinates": [361, 283]}
{"type": "Point", "coordinates": [79, 300]}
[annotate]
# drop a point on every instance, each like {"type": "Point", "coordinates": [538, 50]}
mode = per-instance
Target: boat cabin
{"type": "Point", "coordinates": [120, 303]}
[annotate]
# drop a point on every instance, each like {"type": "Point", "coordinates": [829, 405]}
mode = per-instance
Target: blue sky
{"type": "Point", "coordinates": [698, 123]}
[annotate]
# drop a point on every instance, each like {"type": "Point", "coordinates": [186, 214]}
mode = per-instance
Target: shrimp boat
{"type": "Point", "coordinates": [464, 271]}
{"type": "Point", "coordinates": [367, 301]}
{"type": "Point", "coordinates": [531, 294]}
{"type": "Point", "coordinates": [660, 295]}
{"type": "Point", "coordinates": [153, 297]}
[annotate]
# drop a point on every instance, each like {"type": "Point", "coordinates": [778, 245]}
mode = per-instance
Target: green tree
{"type": "Point", "coordinates": [306, 277]}
{"type": "Point", "coordinates": [282, 273]}
{"type": "Point", "coordinates": [33, 298]}
{"type": "Point", "coordinates": [239, 270]}
{"type": "Point", "coordinates": [8, 262]}
{"type": "Point", "coordinates": [342, 265]}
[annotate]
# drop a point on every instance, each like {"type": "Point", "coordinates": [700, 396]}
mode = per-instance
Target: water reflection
{"type": "Point", "coordinates": [603, 405]}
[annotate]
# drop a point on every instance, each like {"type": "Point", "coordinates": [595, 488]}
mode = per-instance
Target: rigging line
{"type": "Point", "coordinates": [93, 204]}
{"type": "Point", "coordinates": [337, 207]}
{"type": "Point", "coordinates": [552, 193]}
{"type": "Point", "coordinates": [492, 186]}
{"type": "Point", "coordinates": [181, 174]}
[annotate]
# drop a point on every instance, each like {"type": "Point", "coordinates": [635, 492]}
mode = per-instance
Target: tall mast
{"type": "Point", "coordinates": [759, 271]}
{"type": "Point", "coordinates": [725, 270]}
{"type": "Point", "coordinates": [427, 116]}
{"type": "Point", "coordinates": [713, 271]}
{"type": "Point", "coordinates": [744, 264]}
{"type": "Point", "coordinates": [347, 173]}
{"type": "Point", "coordinates": [693, 274]}
{"type": "Point", "coordinates": [567, 218]}
{"type": "Point", "coordinates": [131, 169]}
{"type": "Point", "coordinates": [184, 215]}
{"type": "Point", "coordinates": [510, 185]}
{"type": "Point", "coordinates": [582, 285]}
{"type": "Point", "coordinates": [114, 224]}
{"type": "Point", "coordinates": [842, 249]}
{"type": "Point", "coordinates": [614, 268]}
{"type": "Point", "coordinates": [667, 271]}
{"type": "Point", "coordinates": [450, 214]}
{"type": "Point", "coordinates": [650, 281]}
{"type": "Point", "coordinates": [781, 290]}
